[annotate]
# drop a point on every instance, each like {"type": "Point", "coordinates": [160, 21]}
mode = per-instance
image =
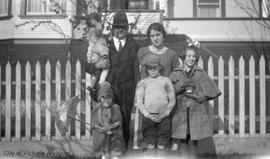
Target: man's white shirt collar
{"type": "Point", "coordinates": [116, 42]}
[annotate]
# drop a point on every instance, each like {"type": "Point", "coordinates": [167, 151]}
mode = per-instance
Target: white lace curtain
{"type": "Point", "coordinates": [42, 6]}
{"type": "Point", "coordinates": [35, 6]}
{"type": "Point", "coordinates": [3, 7]}
{"type": "Point", "coordinates": [209, 8]}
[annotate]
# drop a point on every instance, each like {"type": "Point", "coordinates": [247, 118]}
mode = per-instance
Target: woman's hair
{"type": "Point", "coordinates": [190, 47]}
{"type": "Point", "coordinates": [156, 26]}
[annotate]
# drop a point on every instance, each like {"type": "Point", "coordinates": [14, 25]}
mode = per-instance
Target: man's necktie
{"type": "Point", "coordinates": [120, 46]}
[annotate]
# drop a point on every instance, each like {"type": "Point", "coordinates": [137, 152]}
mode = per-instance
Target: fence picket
{"type": "Point", "coordinates": [38, 101]}
{"type": "Point", "coordinates": [221, 97]}
{"type": "Point", "coordinates": [48, 100]}
{"type": "Point", "coordinates": [68, 87]}
{"type": "Point", "coordinates": [231, 96]}
{"type": "Point", "coordinates": [1, 106]}
{"type": "Point", "coordinates": [262, 97]}
{"type": "Point", "coordinates": [8, 102]}
{"type": "Point", "coordinates": [28, 101]}
{"type": "Point", "coordinates": [241, 96]}
{"type": "Point", "coordinates": [57, 88]}
{"type": "Point", "coordinates": [78, 92]}
{"type": "Point", "coordinates": [68, 80]}
{"type": "Point", "coordinates": [136, 129]}
{"type": "Point", "coordinates": [87, 108]}
{"type": "Point", "coordinates": [211, 74]}
{"type": "Point", "coordinates": [200, 62]}
{"type": "Point", "coordinates": [18, 102]}
{"type": "Point", "coordinates": [252, 110]}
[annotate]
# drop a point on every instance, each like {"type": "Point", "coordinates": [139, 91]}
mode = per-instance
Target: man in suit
{"type": "Point", "coordinates": [124, 68]}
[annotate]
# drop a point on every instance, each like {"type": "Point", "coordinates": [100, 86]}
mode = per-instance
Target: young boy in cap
{"type": "Point", "coordinates": [108, 118]}
{"type": "Point", "coordinates": [155, 99]}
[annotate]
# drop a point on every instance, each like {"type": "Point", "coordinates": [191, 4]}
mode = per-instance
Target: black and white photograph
{"type": "Point", "coordinates": [135, 79]}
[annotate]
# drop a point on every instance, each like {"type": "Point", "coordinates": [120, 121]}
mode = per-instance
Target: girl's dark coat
{"type": "Point", "coordinates": [201, 114]}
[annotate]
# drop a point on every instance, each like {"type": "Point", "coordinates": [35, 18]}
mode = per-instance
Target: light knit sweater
{"type": "Point", "coordinates": [155, 95]}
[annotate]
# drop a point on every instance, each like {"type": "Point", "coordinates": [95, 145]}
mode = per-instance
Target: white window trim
{"type": "Point", "coordinates": [47, 12]}
{"type": "Point", "coordinates": [265, 8]}
{"type": "Point", "coordinates": [214, 4]}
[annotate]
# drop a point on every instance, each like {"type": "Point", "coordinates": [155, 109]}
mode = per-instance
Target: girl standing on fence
{"type": "Point", "coordinates": [194, 88]}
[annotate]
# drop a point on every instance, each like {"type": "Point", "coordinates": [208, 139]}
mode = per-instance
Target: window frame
{"type": "Point", "coordinates": [222, 12]}
{"type": "Point", "coordinates": [25, 14]}
{"type": "Point", "coordinates": [146, 3]}
{"type": "Point", "coordinates": [46, 8]}
{"type": "Point", "coordinates": [8, 15]}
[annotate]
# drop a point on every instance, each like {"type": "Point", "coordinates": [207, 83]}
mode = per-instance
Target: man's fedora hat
{"type": "Point", "coordinates": [120, 19]}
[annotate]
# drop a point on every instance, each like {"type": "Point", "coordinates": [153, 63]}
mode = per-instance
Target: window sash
{"type": "Point", "coordinates": [137, 4]}
{"type": "Point", "coordinates": [208, 1]}
{"type": "Point", "coordinates": [36, 7]}
{"type": "Point", "coordinates": [208, 12]}
{"type": "Point", "coordinates": [208, 8]}
{"type": "Point", "coordinates": [4, 7]}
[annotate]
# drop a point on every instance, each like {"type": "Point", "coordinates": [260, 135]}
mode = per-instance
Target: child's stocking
{"type": "Point", "coordinates": [103, 75]}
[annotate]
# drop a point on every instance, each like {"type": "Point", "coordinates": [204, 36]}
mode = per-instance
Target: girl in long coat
{"type": "Point", "coordinates": [194, 88]}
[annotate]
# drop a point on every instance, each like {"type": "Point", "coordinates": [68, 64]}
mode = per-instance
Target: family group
{"type": "Point", "coordinates": [171, 92]}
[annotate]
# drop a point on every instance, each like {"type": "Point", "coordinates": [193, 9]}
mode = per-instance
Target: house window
{"type": "Point", "coordinates": [138, 4]}
{"type": "Point", "coordinates": [4, 8]}
{"type": "Point", "coordinates": [44, 7]}
{"type": "Point", "coordinates": [156, 4]}
{"type": "Point", "coordinates": [208, 8]}
{"type": "Point", "coordinates": [265, 8]}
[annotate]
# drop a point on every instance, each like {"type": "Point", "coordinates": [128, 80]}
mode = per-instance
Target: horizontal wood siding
{"type": "Point", "coordinates": [219, 30]}
{"type": "Point", "coordinates": [44, 30]}
{"type": "Point", "coordinates": [6, 29]}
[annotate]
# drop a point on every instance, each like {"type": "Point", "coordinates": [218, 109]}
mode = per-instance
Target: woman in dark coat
{"type": "Point", "coordinates": [194, 88]}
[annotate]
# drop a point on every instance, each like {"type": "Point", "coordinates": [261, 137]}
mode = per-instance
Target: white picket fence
{"type": "Point", "coordinates": [35, 109]}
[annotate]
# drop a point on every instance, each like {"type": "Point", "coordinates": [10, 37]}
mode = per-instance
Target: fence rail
{"type": "Point", "coordinates": [241, 109]}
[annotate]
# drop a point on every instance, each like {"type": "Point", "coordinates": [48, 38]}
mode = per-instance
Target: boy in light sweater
{"type": "Point", "coordinates": [155, 99]}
